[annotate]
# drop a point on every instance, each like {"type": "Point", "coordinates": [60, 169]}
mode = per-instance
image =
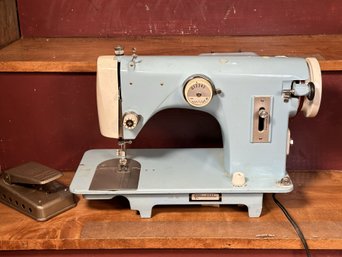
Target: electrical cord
{"type": "Point", "coordinates": [294, 224]}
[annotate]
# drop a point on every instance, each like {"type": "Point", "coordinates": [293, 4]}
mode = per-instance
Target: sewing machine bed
{"type": "Point", "coordinates": [178, 176]}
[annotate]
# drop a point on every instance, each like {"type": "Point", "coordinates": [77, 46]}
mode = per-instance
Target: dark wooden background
{"type": "Point", "coordinates": [103, 18]}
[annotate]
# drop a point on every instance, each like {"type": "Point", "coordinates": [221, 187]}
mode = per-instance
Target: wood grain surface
{"type": "Point", "coordinates": [80, 54]}
{"type": "Point", "coordinates": [9, 28]}
{"type": "Point", "coordinates": [315, 204]}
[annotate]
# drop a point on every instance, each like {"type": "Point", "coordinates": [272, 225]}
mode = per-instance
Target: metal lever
{"type": "Point", "coordinates": [134, 59]}
{"type": "Point", "coordinates": [299, 89]}
{"type": "Point", "coordinates": [262, 113]}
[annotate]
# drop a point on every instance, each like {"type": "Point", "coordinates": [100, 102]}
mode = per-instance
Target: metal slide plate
{"type": "Point", "coordinates": [108, 176]}
{"type": "Point", "coordinates": [261, 132]}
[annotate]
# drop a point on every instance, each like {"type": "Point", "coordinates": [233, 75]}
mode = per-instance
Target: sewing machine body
{"type": "Point", "coordinates": [247, 94]}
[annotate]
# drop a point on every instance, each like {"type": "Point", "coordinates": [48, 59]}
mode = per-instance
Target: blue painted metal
{"type": "Point", "coordinates": [154, 83]}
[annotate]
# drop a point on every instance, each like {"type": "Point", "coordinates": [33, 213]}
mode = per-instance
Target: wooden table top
{"type": "Point", "coordinates": [316, 204]}
{"type": "Point", "coordinates": [80, 54]}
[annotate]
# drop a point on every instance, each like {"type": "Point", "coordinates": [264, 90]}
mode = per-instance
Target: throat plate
{"type": "Point", "coordinates": [109, 176]}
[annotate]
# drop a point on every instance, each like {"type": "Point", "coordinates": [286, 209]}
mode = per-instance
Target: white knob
{"type": "Point", "coordinates": [238, 179]}
{"type": "Point", "coordinates": [130, 120]}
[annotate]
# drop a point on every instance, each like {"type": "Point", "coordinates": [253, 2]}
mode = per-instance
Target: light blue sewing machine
{"type": "Point", "coordinates": [252, 99]}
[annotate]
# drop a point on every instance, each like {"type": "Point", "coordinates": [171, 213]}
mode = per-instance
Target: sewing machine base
{"type": "Point", "coordinates": [145, 203]}
{"type": "Point", "coordinates": [179, 177]}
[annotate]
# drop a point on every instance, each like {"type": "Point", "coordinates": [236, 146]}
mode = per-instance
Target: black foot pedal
{"type": "Point", "coordinates": [31, 189]}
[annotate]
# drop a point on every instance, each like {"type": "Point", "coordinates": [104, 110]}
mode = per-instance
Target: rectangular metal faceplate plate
{"type": "Point", "coordinates": [205, 197]}
{"type": "Point", "coordinates": [261, 119]}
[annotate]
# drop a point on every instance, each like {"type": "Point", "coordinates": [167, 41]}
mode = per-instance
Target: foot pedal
{"type": "Point", "coordinates": [31, 189]}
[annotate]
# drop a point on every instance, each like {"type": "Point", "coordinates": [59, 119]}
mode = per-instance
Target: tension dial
{"type": "Point", "coordinates": [198, 91]}
{"type": "Point", "coordinates": [130, 120]}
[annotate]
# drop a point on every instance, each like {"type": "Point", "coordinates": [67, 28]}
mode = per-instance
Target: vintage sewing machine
{"type": "Point", "coordinates": [251, 97]}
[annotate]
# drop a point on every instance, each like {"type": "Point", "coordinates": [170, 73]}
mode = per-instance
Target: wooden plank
{"type": "Point", "coordinates": [315, 204]}
{"type": "Point", "coordinates": [80, 54]}
{"type": "Point", "coordinates": [9, 29]}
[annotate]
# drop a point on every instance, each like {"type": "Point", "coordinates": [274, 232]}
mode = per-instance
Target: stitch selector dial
{"type": "Point", "coordinates": [198, 91]}
{"type": "Point", "coordinates": [130, 120]}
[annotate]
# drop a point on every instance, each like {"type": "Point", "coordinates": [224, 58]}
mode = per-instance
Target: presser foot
{"type": "Point", "coordinates": [115, 174]}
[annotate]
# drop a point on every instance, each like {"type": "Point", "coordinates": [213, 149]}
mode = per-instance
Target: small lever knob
{"type": "Point", "coordinates": [263, 114]}
{"type": "Point", "coordinates": [238, 179]}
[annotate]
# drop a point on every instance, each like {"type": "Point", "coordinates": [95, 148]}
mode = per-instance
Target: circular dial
{"type": "Point", "coordinates": [130, 120]}
{"type": "Point", "coordinates": [198, 91]}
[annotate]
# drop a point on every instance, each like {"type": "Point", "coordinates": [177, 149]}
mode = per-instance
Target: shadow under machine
{"type": "Point", "coordinates": [251, 97]}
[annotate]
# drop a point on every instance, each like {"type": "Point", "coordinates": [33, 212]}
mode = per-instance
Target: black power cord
{"type": "Point", "coordinates": [294, 224]}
